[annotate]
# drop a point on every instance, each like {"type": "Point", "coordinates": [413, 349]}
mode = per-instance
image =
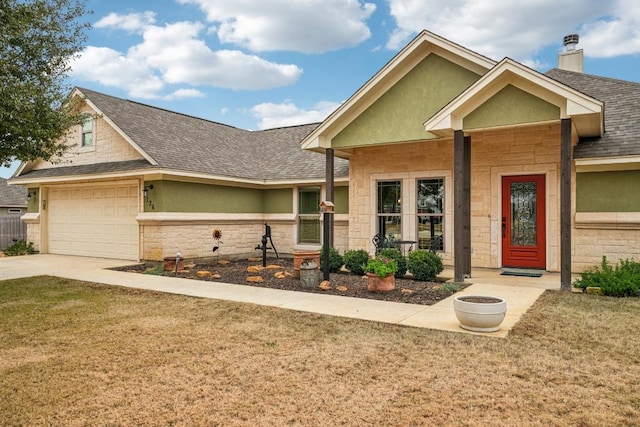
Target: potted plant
{"type": "Point", "coordinates": [381, 274]}
{"type": "Point", "coordinates": [479, 313]}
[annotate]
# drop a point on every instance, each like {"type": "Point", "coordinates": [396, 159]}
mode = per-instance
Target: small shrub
{"type": "Point", "coordinates": [157, 270]}
{"type": "Point", "coordinates": [335, 260]}
{"type": "Point", "coordinates": [450, 288]}
{"type": "Point", "coordinates": [20, 247]}
{"type": "Point", "coordinates": [381, 266]}
{"type": "Point", "coordinates": [397, 256]}
{"type": "Point", "coordinates": [355, 260]}
{"type": "Point", "coordinates": [424, 265]}
{"type": "Point", "coordinates": [621, 280]}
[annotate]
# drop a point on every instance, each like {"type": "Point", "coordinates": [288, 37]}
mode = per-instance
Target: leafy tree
{"type": "Point", "coordinates": [38, 39]}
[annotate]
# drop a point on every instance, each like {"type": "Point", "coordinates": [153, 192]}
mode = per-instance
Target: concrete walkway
{"type": "Point", "coordinates": [519, 292]}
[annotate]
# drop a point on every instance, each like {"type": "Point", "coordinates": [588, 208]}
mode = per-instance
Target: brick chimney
{"type": "Point", "coordinates": [571, 59]}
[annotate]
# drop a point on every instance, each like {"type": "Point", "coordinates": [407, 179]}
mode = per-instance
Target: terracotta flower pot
{"type": "Point", "coordinates": [479, 313]}
{"type": "Point", "coordinates": [380, 284]}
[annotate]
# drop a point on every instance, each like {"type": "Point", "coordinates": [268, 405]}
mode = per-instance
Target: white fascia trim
{"type": "Point", "coordinates": [318, 138]}
{"type": "Point", "coordinates": [83, 178]}
{"type": "Point", "coordinates": [117, 129]}
{"type": "Point", "coordinates": [506, 72]}
{"type": "Point", "coordinates": [602, 164]}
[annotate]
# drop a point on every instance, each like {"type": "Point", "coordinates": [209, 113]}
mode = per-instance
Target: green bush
{"type": "Point", "coordinates": [20, 247]}
{"type": "Point", "coordinates": [424, 265]}
{"type": "Point", "coordinates": [355, 260]}
{"type": "Point", "coordinates": [335, 260]}
{"type": "Point", "coordinates": [156, 270]}
{"type": "Point", "coordinates": [621, 280]}
{"type": "Point", "coordinates": [397, 256]}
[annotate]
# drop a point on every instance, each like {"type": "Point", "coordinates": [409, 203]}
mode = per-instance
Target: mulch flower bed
{"type": "Point", "coordinates": [279, 274]}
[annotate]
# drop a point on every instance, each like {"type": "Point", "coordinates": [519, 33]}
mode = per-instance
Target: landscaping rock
{"type": "Point", "coordinates": [204, 273]}
{"type": "Point", "coordinates": [342, 288]}
{"type": "Point", "coordinates": [255, 279]}
{"type": "Point", "coordinates": [325, 285]}
{"type": "Point", "coordinates": [254, 269]}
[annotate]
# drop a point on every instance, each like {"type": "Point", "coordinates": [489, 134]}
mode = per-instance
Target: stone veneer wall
{"type": "Point", "coordinates": [239, 237]}
{"type": "Point", "coordinates": [610, 234]}
{"type": "Point", "coordinates": [506, 151]}
{"type": "Point", "coordinates": [108, 146]}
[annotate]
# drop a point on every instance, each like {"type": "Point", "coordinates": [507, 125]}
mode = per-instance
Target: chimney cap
{"type": "Point", "coordinates": [571, 40]}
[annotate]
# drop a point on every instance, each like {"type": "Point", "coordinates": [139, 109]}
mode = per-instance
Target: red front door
{"type": "Point", "coordinates": [523, 221]}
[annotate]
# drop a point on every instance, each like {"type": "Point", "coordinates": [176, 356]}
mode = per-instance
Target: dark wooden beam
{"type": "Point", "coordinates": [328, 222]}
{"type": "Point", "coordinates": [461, 206]}
{"type": "Point", "coordinates": [566, 151]}
{"type": "Point", "coordinates": [330, 181]}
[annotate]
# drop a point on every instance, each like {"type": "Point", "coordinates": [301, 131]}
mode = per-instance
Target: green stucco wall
{"type": "Point", "coordinates": [173, 196]}
{"type": "Point", "coordinates": [341, 200]}
{"type": "Point", "coordinates": [511, 106]}
{"type": "Point", "coordinates": [608, 191]}
{"type": "Point", "coordinates": [399, 114]}
{"type": "Point", "coordinates": [278, 201]}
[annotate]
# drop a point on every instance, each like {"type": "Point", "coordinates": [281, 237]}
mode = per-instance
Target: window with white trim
{"type": "Point", "coordinates": [389, 212]}
{"type": "Point", "coordinates": [87, 133]}
{"type": "Point", "coordinates": [309, 215]}
{"type": "Point", "coordinates": [430, 213]}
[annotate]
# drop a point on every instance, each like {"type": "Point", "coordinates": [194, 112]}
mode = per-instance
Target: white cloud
{"type": "Point", "coordinates": [174, 54]}
{"type": "Point", "coordinates": [519, 29]}
{"type": "Point", "coordinates": [311, 26]}
{"type": "Point", "coordinates": [184, 93]}
{"type": "Point", "coordinates": [133, 22]}
{"type": "Point", "coordinates": [288, 114]}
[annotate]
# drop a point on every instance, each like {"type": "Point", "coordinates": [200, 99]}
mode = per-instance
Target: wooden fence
{"type": "Point", "coordinates": [12, 229]}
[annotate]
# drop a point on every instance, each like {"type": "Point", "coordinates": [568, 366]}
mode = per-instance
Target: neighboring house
{"type": "Point", "coordinates": [144, 183]}
{"type": "Point", "coordinates": [13, 204]}
{"type": "Point", "coordinates": [493, 164]}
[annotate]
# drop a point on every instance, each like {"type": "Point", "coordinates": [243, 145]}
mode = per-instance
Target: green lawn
{"type": "Point", "coordinates": [75, 353]}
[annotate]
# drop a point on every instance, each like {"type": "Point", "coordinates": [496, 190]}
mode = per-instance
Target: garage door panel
{"type": "Point", "coordinates": [94, 221]}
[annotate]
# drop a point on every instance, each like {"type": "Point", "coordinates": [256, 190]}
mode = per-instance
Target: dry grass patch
{"type": "Point", "coordinates": [92, 354]}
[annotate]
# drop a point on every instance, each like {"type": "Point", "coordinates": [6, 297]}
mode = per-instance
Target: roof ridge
{"type": "Point", "coordinates": [593, 76]}
{"type": "Point", "coordinates": [83, 90]}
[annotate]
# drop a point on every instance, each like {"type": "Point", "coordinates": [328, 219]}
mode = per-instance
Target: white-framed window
{"type": "Point", "coordinates": [309, 215]}
{"type": "Point", "coordinates": [389, 209]}
{"type": "Point", "coordinates": [430, 213]}
{"type": "Point", "coordinates": [87, 133]}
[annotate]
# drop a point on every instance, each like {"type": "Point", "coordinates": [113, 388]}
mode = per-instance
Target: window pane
{"type": "Point", "coordinates": [390, 226]}
{"type": "Point", "coordinates": [430, 195]}
{"type": "Point", "coordinates": [389, 197]}
{"type": "Point", "coordinates": [309, 200]}
{"type": "Point", "coordinates": [430, 232]}
{"type": "Point", "coordinates": [430, 206]}
{"type": "Point", "coordinates": [309, 229]}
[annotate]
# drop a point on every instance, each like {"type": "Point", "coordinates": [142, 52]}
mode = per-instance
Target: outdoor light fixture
{"type": "Point", "coordinates": [31, 194]}
{"type": "Point", "coordinates": [145, 190]}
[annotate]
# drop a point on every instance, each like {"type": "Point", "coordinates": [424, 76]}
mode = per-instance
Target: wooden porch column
{"type": "Point", "coordinates": [330, 188]}
{"type": "Point", "coordinates": [327, 226]}
{"type": "Point", "coordinates": [566, 151]}
{"type": "Point", "coordinates": [461, 205]}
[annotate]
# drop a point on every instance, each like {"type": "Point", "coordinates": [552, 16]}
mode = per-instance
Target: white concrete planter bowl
{"type": "Point", "coordinates": [479, 313]}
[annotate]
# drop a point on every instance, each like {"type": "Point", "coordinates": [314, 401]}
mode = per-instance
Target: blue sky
{"type": "Point", "coordinates": [258, 64]}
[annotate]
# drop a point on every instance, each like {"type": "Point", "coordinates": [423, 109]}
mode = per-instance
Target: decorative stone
{"type": "Point", "coordinates": [254, 269]}
{"type": "Point", "coordinates": [224, 262]}
{"type": "Point", "coordinates": [279, 275]}
{"type": "Point", "coordinates": [593, 290]}
{"type": "Point", "coordinates": [288, 275]}
{"type": "Point", "coordinates": [254, 259]}
{"type": "Point", "coordinates": [405, 291]}
{"type": "Point", "coordinates": [216, 276]}
{"type": "Point", "coordinates": [254, 279]}
{"type": "Point", "coordinates": [325, 285]}
{"type": "Point", "coordinates": [190, 265]}
{"type": "Point", "coordinates": [204, 273]}
{"type": "Point", "coordinates": [274, 267]}
{"type": "Point", "coordinates": [342, 288]}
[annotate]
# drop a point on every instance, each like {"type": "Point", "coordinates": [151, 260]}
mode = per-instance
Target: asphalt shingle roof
{"type": "Point", "coordinates": [12, 195]}
{"type": "Point", "coordinates": [186, 143]}
{"type": "Point", "coordinates": [621, 113]}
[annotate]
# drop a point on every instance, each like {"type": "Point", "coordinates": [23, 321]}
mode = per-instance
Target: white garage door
{"type": "Point", "coordinates": [98, 221]}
